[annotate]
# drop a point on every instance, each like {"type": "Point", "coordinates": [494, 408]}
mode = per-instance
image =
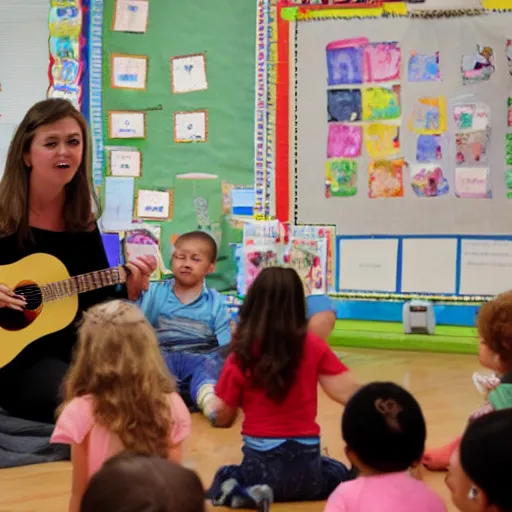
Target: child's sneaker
{"type": "Point", "coordinates": [485, 383]}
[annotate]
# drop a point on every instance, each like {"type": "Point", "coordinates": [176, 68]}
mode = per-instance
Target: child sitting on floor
{"type": "Point", "coordinates": [118, 395]}
{"type": "Point", "coordinates": [272, 375]}
{"type": "Point", "coordinates": [494, 325]}
{"type": "Point", "coordinates": [143, 483]}
{"type": "Point", "coordinates": [480, 473]}
{"type": "Point", "coordinates": [384, 431]}
{"type": "Point", "coordinates": [191, 320]}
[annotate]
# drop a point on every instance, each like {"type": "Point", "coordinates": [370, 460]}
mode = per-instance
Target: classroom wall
{"type": "Point", "coordinates": [23, 63]}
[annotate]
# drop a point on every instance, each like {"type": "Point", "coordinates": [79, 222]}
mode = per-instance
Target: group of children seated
{"type": "Point", "coordinates": [140, 367]}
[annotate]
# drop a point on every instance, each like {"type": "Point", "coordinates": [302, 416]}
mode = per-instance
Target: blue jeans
{"type": "Point", "coordinates": [192, 371]}
{"type": "Point", "coordinates": [293, 471]}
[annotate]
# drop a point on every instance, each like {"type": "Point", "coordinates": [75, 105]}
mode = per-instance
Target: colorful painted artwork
{"type": "Point", "coordinates": [429, 148]}
{"type": "Point", "coordinates": [385, 178]}
{"type": "Point", "coordinates": [427, 180]}
{"type": "Point", "coordinates": [478, 66]}
{"type": "Point", "coordinates": [344, 141]}
{"type": "Point", "coordinates": [344, 105]}
{"type": "Point", "coordinates": [381, 103]}
{"type": "Point", "coordinates": [424, 67]}
{"type": "Point", "coordinates": [309, 259]}
{"type": "Point", "coordinates": [341, 178]}
{"type": "Point", "coordinates": [382, 140]}
{"type": "Point", "coordinates": [345, 61]}
{"type": "Point", "coordinates": [472, 148]}
{"type": "Point", "coordinates": [509, 111]}
{"type": "Point", "coordinates": [471, 116]}
{"type": "Point", "coordinates": [429, 116]}
{"type": "Point", "coordinates": [382, 62]}
{"type": "Point", "coordinates": [65, 45]}
{"type": "Point", "coordinates": [508, 51]}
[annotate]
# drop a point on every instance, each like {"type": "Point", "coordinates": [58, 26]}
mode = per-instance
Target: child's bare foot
{"type": "Point", "coordinates": [438, 459]}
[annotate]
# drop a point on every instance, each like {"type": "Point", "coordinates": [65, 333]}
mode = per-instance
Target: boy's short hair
{"type": "Point", "coordinates": [485, 455]}
{"type": "Point", "coordinates": [494, 325]}
{"type": "Point", "coordinates": [200, 236]}
{"type": "Point", "coordinates": [132, 482]}
{"type": "Point", "coordinates": [384, 426]}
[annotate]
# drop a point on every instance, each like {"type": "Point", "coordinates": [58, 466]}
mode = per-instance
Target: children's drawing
{"type": "Point", "coordinates": [309, 259]}
{"type": "Point", "coordinates": [424, 67]}
{"type": "Point", "coordinates": [471, 116]}
{"type": "Point", "coordinates": [508, 51]}
{"type": "Point", "coordinates": [341, 178]}
{"type": "Point", "coordinates": [344, 105]}
{"type": "Point", "coordinates": [344, 141]}
{"type": "Point", "coordinates": [382, 62]}
{"type": "Point", "coordinates": [258, 254]}
{"type": "Point", "coordinates": [472, 182]}
{"type": "Point", "coordinates": [429, 116]}
{"type": "Point", "coordinates": [478, 66]}
{"type": "Point", "coordinates": [429, 148]}
{"type": "Point", "coordinates": [191, 126]}
{"type": "Point", "coordinates": [381, 103]}
{"type": "Point", "coordinates": [143, 242]}
{"type": "Point", "coordinates": [385, 178]}
{"type": "Point", "coordinates": [471, 148]}
{"type": "Point", "coordinates": [382, 140]}
{"type": "Point", "coordinates": [427, 180]}
{"type": "Point", "coordinates": [345, 61]}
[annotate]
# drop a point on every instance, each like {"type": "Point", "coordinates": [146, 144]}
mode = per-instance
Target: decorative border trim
{"type": "Point", "coordinates": [260, 164]}
{"type": "Point", "coordinates": [96, 91]}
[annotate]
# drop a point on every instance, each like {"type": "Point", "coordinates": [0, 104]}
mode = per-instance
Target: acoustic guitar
{"type": "Point", "coordinates": [52, 299]}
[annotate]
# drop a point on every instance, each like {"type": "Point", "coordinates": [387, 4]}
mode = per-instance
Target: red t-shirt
{"type": "Point", "coordinates": [296, 415]}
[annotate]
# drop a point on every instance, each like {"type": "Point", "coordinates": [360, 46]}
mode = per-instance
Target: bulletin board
{"type": "Point", "coordinates": [411, 212]}
{"type": "Point", "coordinates": [220, 38]}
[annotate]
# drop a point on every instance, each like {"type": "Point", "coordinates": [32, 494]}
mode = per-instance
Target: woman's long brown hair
{"type": "Point", "coordinates": [118, 362]}
{"type": "Point", "coordinates": [81, 198]}
{"type": "Point", "coordinates": [269, 339]}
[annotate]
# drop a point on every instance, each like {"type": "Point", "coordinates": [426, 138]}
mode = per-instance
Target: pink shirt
{"type": "Point", "coordinates": [392, 492]}
{"type": "Point", "coordinates": [77, 421]}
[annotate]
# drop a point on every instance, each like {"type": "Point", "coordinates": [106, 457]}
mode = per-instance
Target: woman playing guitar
{"type": "Point", "coordinates": [46, 200]}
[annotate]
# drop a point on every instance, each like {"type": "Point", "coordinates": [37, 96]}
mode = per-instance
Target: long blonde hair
{"type": "Point", "coordinates": [118, 361]}
{"type": "Point", "coordinates": [14, 186]}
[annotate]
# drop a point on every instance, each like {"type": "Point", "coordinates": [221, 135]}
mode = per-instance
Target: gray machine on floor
{"type": "Point", "coordinates": [418, 317]}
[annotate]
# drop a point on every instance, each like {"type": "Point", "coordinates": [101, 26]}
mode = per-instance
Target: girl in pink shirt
{"type": "Point", "coordinates": [384, 431]}
{"type": "Point", "coordinates": [118, 395]}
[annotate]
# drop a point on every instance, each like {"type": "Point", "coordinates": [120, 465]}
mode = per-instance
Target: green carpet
{"type": "Point", "coordinates": [389, 335]}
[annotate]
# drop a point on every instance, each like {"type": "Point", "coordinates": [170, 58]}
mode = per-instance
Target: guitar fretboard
{"type": "Point", "coordinates": [81, 284]}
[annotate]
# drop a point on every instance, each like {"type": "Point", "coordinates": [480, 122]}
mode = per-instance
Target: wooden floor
{"type": "Point", "coordinates": [442, 383]}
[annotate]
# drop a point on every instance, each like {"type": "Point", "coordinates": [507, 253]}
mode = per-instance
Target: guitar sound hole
{"type": "Point", "coordinates": [12, 320]}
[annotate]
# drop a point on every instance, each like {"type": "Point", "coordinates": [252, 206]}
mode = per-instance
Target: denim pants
{"type": "Point", "coordinates": [293, 471]}
{"type": "Point", "coordinates": [192, 371]}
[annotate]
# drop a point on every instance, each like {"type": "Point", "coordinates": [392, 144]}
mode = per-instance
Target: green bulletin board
{"type": "Point", "coordinates": [224, 30]}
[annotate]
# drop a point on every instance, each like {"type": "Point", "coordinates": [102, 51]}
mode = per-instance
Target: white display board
{"type": "Point", "coordinates": [23, 63]}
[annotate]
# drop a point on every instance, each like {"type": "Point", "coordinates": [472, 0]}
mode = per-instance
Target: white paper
{"type": "Point", "coordinates": [127, 125]}
{"type": "Point", "coordinates": [153, 204]}
{"type": "Point", "coordinates": [189, 74]}
{"type": "Point", "coordinates": [429, 265]}
{"type": "Point", "coordinates": [485, 266]}
{"type": "Point", "coordinates": [368, 264]}
{"type": "Point", "coordinates": [118, 211]}
{"type": "Point", "coordinates": [125, 163]}
{"type": "Point", "coordinates": [131, 16]}
{"type": "Point", "coordinates": [190, 126]}
{"type": "Point", "coordinates": [129, 72]}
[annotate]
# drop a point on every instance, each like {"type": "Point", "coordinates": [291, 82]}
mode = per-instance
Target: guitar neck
{"type": "Point", "coordinates": [81, 284]}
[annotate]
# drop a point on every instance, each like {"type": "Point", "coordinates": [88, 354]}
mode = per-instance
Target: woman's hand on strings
{"type": "Point", "coordinates": [140, 272]}
{"type": "Point", "coordinates": [9, 299]}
